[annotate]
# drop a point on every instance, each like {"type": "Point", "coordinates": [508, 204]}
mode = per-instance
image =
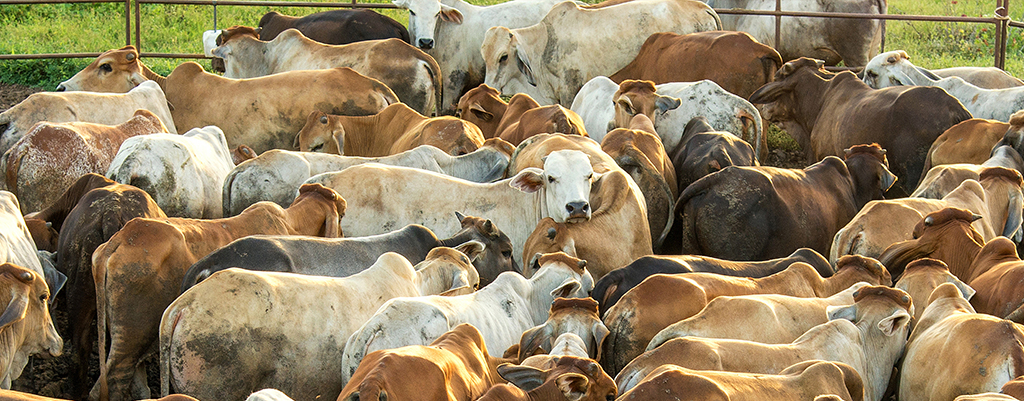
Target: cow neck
{"type": "Point", "coordinates": [938, 311]}
{"type": "Point", "coordinates": [880, 357]}
{"type": "Point", "coordinates": [379, 131]}
{"type": "Point", "coordinates": [993, 254]}
{"type": "Point", "coordinates": [149, 74]}
{"type": "Point", "coordinates": [798, 280]}
{"type": "Point", "coordinates": [818, 91]}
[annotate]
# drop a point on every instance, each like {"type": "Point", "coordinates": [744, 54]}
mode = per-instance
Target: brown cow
{"type": "Point", "coordinates": [703, 150]}
{"type": "Point", "coordinates": [569, 379]}
{"type": "Point", "coordinates": [923, 276]}
{"type": "Point", "coordinates": [734, 60]}
{"type": "Point", "coordinates": [946, 235]}
{"type": "Point", "coordinates": [87, 215]}
{"type": "Point", "coordinates": [455, 367]}
{"type": "Point", "coordinates": [139, 271]}
{"type": "Point", "coordinates": [25, 324]}
{"type": "Point", "coordinates": [826, 116]}
{"type": "Point", "coordinates": [541, 120]}
{"type": "Point", "coordinates": [997, 273]}
{"type": "Point", "coordinates": [664, 299]}
{"type": "Point", "coordinates": [335, 27]}
{"type": "Point", "coordinates": [639, 151]}
{"type": "Point", "coordinates": [759, 213]}
{"type": "Point", "coordinates": [393, 130]}
{"type": "Point", "coordinates": [50, 157]}
{"type": "Point", "coordinates": [589, 240]}
{"type": "Point", "coordinates": [970, 141]}
{"type": "Point", "coordinates": [955, 351]}
{"type": "Point", "coordinates": [482, 106]}
{"type": "Point", "coordinates": [803, 381]}
{"type": "Point", "coordinates": [639, 97]}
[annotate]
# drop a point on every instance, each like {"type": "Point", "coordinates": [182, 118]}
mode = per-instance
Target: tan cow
{"type": "Point", "coordinates": [996, 274]}
{"type": "Point", "coordinates": [663, 299]}
{"type": "Point", "coordinates": [923, 276]}
{"type": "Point", "coordinates": [393, 130]}
{"type": "Point", "coordinates": [941, 180]}
{"type": "Point", "coordinates": [484, 107]}
{"type": "Point", "coordinates": [139, 271]}
{"type": "Point", "coordinates": [954, 351]}
{"type": "Point", "coordinates": [25, 323]}
{"type": "Point", "coordinates": [539, 120]}
{"type": "Point", "coordinates": [734, 60]}
{"type": "Point", "coordinates": [868, 335]}
{"type": "Point", "coordinates": [51, 157]}
{"type": "Point", "coordinates": [803, 381]}
{"type": "Point", "coordinates": [946, 235]}
{"type": "Point", "coordinates": [639, 151]}
{"type": "Point", "coordinates": [589, 240]}
{"type": "Point", "coordinates": [567, 315]}
{"type": "Point", "coordinates": [639, 97]}
{"type": "Point", "coordinates": [412, 74]}
{"type": "Point", "coordinates": [970, 141]}
{"type": "Point", "coordinates": [455, 367]}
{"type": "Point", "coordinates": [567, 378]}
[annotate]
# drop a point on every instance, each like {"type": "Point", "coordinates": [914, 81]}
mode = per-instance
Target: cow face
{"type": "Point", "coordinates": [890, 69]}
{"type": "Point", "coordinates": [567, 177]}
{"type": "Point", "coordinates": [27, 312]}
{"type": "Point", "coordinates": [322, 133]}
{"type": "Point", "coordinates": [423, 19]}
{"type": "Point", "coordinates": [638, 97]}
{"type": "Point", "coordinates": [483, 107]}
{"type": "Point", "coordinates": [242, 53]}
{"type": "Point", "coordinates": [508, 66]}
{"type": "Point", "coordinates": [114, 71]}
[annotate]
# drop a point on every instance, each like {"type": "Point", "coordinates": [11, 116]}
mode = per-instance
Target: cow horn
{"type": "Point", "coordinates": [459, 216]}
{"type": "Point", "coordinates": [489, 228]}
{"type": "Point", "coordinates": [928, 221]}
{"type": "Point", "coordinates": [130, 56]}
{"type": "Point", "coordinates": [975, 217]}
{"type": "Point", "coordinates": [323, 119]}
{"type": "Point", "coordinates": [551, 233]}
{"type": "Point", "coordinates": [582, 264]}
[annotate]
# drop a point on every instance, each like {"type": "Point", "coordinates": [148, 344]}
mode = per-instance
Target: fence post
{"type": "Point", "coordinates": [138, 24]}
{"type": "Point", "coordinates": [1003, 34]}
{"type": "Point", "coordinates": [778, 24]}
{"type": "Point", "coordinates": [127, 22]}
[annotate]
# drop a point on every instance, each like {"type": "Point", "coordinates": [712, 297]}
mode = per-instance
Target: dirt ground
{"type": "Point", "coordinates": [11, 94]}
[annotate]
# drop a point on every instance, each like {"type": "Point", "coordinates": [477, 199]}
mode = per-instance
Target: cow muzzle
{"type": "Point", "coordinates": [61, 87]}
{"type": "Point", "coordinates": [425, 43]}
{"type": "Point", "coordinates": [578, 211]}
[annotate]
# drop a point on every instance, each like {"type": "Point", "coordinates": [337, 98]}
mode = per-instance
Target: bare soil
{"type": "Point", "coordinates": [11, 94]}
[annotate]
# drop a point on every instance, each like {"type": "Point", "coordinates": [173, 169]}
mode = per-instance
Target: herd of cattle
{"type": "Point", "coordinates": [470, 209]}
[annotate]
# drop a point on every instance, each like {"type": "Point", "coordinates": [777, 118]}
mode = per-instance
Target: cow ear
{"type": "Point", "coordinates": [771, 92]}
{"type": "Point", "coordinates": [221, 51]}
{"type": "Point", "coordinates": [537, 338]}
{"type": "Point", "coordinates": [965, 290]}
{"type": "Point", "coordinates": [626, 104]}
{"type": "Point", "coordinates": [666, 103]}
{"type": "Point", "coordinates": [18, 306]}
{"type": "Point", "coordinates": [567, 288]}
{"type": "Point", "coordinates": [473, 249]}
{"type": "Point", "coordinates": [573, 385]}
{"type": "Point", "coordinates": [338, 139]}
{"type": "Point", "coordinates": [461, 217]}
{"type": "Point", "coordinates": [332, 228]}
{"type": "Point", "coordinates": [480, 113]}
{"type": "Point", "coordinates": [530, 180]}
{"type": "Point", "coordinates": [449, 14]}
{"type": "Point", "coordinates": [525, 377]}
{"type": "Point", "coordinates": [888, 179]}
{"type": "Point", "coordinates": [893, 323]}
{"type": "Point", "coordinates": [600, 332]}
{"type": "Point", "coordinates": [523, 63]}
{"type": "Point", "coordinates": [848, 312]}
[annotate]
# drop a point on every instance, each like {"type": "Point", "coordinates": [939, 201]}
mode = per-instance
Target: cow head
{"type": "Point", "coordinates": [869, 169]}
{"type": "Point", "coordinates": [423, 19]}
{"type": "Point", "coordinates": [454, 136]}
{"type": "Point", "coordinates": [558, 276]}
{"type": "Point", "coordinates": [946, 235]}
{"type": "Point", "coordinates": [567, 315]}
{"type": "Point", "coordinates": [548, 237]}
{"type": "Point", "coordinates": [242, 52]}
{"type": "Point", "coordinates": [793, 99]}
{"type": "Point", "coordinates": [638, 97]}
{"type": "Point", "coordinates": [114, 71]}
{"type": "Point", "coordinates": [322, 133]}
{"type": "Point", "coordinates": [449, 271]}
{"type": "Point", "coordinates": [508, 66]}
{"type": "Point", "coordinates": [482, 106]}
{"type": "Point", "coordinates": [574, 379]}
{"type": "Point", "coordinates": [566, 178]}
{"type": "Point", "coordinates": [496, 257]}
{"type": "Point", "coordinates": [890, 69]}
{"type": "Point", "coordinates": [922, 276]}
{"type": "Point", "coordinates": [26, 318]}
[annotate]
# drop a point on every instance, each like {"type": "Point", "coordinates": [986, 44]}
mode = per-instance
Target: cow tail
{"type": "Point", "coordinates": [770, 63]}
{"type": "Point", "coordinates": [167, 326]}
{"type": "Point", "coordinates": [226, 193]}
{"type": "Point", "coordinates": [435, 77]}
{"type": "Point", "coordinates": [691, 245]}
{"type": "Point", "coordinates": [99, 275]}
{"type": "Point", "coordinates": [718, 20]}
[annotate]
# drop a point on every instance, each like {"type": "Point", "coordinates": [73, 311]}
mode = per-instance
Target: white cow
{"type": "Point", "coordinates": [388, 197]}
{"type": "Point", "coordinates": [17, 247]}
{"type": "Point", "coordinates": [298, 323]}
{"type": "Point", "coordinates": [724, 111]}
{"type": "Point", "coordinates": [210, 41]}
{"type": "Point", "coordinates": [831, 39]}
{"type": "Point", "coordinates": [894, 69]}
{"type": "Point", "coordinates": [91, 107]}
{"type": "Point", "coordinates": [501, 311]}
{"type": "Point", "coordinates": [183, 173]}
{"type": "Point", "coordinates": [550, 61]}
{"type": "Point", "coordinates": [453, 30]}
{"type": "Point", "coordinates": [277, 174]}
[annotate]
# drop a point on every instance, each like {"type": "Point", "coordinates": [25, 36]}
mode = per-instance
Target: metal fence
{"type": "Point", "coordinates": [1000, 21]}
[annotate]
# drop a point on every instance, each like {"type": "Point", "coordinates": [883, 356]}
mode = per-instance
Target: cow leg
{"type": "Point", "coordinates": [81, 308]}
{"type": "Point", "coordinates": [1017, 316]}
{"type": "Point", "coordinates": [140, 386]}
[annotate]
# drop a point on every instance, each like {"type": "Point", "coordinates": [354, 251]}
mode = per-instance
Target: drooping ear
{"type": "Point", "coordinates": [332, 229]}
{"type": "Point", "coordinates": [473, 249]}
{"type": "Point", "coordinates": [338, 139]}
{"type": "Point", "coordinates": [848, 312]}
{"type": "Point", "coordinates": [295, 143]}
{"type": "Point", "coordinates": [888, 179]}
{"type": "Point", "coordinates": [573, 385]}
{"type": "Point", "coordinates": [771, 91]}
{"type": "Point", "coordinates": [18, 306]}
{"type": "Point", "coordinates": [525, 377]}
{"type": "Point", "coordinates": [1014, 218]}
{"type": "Point", "coordinates": [893, 323]}
{"type": "Point", "coordinates": [221, 51]}
{"type": "Point", "coordinates": [533, 339]}
{"type": "Point", "coordinates": [965, 289]}
{"type": "Point", "coordinates": [449, 14]}
{"type": "Point", "coordinates": [666, 103]}
{"type": "Point", "coordinates": [530, 180]}
{"type": "Point", "coordinates": [626, 104]}
{"type": "Point", "coordinates": [567, 288]}
{"type": "Point", "coordinates": [523, 62]}
{"type": "Point", "coordinates": [480, 113]}
{"type": "Point", "coordinates": [600, 332]}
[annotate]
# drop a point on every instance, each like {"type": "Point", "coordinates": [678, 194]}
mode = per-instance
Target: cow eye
{"type": "Point", "coordinates": [106, 67]}
{"type": "Point", "coordinates": [551, 179]}
{"type": "Point", "coordinates": [412, 13]}
{"type": "Point", "coordinates": [44, 297]}
{"type": "Point", "coordinates": [506, 254]}
{"type": "Point", "coordinates": [316, 148]}
{"type": "Point", "coordinates": [589, 176]}
{"type": "Point", "coordinates": [872, 74]}
{"type": "Point", "coordinates": [610, 397]}
{"type": "Point", "coordinates": [503, 58]}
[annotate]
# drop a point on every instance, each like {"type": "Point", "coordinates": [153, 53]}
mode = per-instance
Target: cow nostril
{"type": "Point", "coordinates": [426, 43]}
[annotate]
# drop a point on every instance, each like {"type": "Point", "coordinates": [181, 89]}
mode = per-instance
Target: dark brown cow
{"type": "Point", "coordinates": [335, 27]}
{"type": "Point", "coordinates": [87, 215]}
{"type": "Point", "coordinates": [734, 60]}
{"type": "Point", "coordinates": [759, 213]}
{"type": "Point", "coordinates": [997, 273]}
{"type": "Point", "coordinates": [702, 150]}
{"type": "Point", "coordinates": [826, 115]}
{"type": "Point", "coordinates": [482, 106]}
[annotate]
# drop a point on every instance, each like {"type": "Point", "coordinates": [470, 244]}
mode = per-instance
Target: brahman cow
{"type": "Point", "coordinates": [894, 69]}
{"type": "Point", "coordinates": [803, 381]}
{"type": "Point", "coordinates": [946, 235]}
{"type": "Point", "coordinates": [996, 274]}
{"type": "Point", "coordinates": [879, 224]}
{"type": "Point", "coordinates": [51, 157]}
{"type": "Point", "coordinates": [87, 215]}
{"type": "Point", "coordinates": [664, 299]}
{"type": "Point", "coordinates": [567, 378]}
{"type": "Point", "coordinates": [941, 180]}
{"type": "Point", "coordinates": [589, 240]}
{"type": "Point", "coordinates": [982, 77]}
{"type": "Point", "coordinates": [734, 60]}
{"type": "Point", "coordinates": [341, 257]}
{"type": "Point", "coordinates": [98, 108]}
{"type": "Point", "coordinates": [25, 323]}
{"type": "Point", "coordinates": [274, 175]}
{"type": "Point", "coordinates": [574, 316]}
{"type": "Point", "coordinates": [827, 115]}
{"type": "Point", "coordinates": [854, 41]}
{"type": "Point", "coordinates": [923, 276]}
{"type": "Point", "coordinates": [561, 190]}
{"type": "Point", "coordinates": [970, 141]}
{"type": "Point", "coordinates": [335, 27]}
{"type": "Point", "coordinates": [550, 61]}
{"type": "Point", "coordinates": [484, 107]}
{"type": "Point", "coordinates": [183, 173]}
{"type": "Point", "coordinates": [17, 247]}
{"type": "Point", "coordinates": [297, 323]}
{"type": "Point", "coordinates": [977, 352]}
{"type": "Point", "coordinates": [868, 335]}
{"type": "Point", "coordinates": [538, 120]}
{"type": "Point", "coordinates": [766, 318]}
{"type": "Point", "coordinates": [653, 195]}
{"type": "Point", "coordinates": [703, 150]}
{"type": "Point", "coordinates": [638, 150]}
{"type": "Point", "coordinates": [504, 309]}
{"type": "Point", "coordinates": [454, 367]}
{"type": "Point", "coordinates": [725, 111]}
{"type": "Point", "coordinates": [453, 31]}
{"type": "Point", "coordinates": [613, 285]}
{"type": "Point", "coordinates": [758, 213]}
{"type": "Point", "coordinates": [412, 74]}
{"type": "Point", "coordinates": [395, 129]}
{"type": "Point", "coordinates": [148, 259]}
